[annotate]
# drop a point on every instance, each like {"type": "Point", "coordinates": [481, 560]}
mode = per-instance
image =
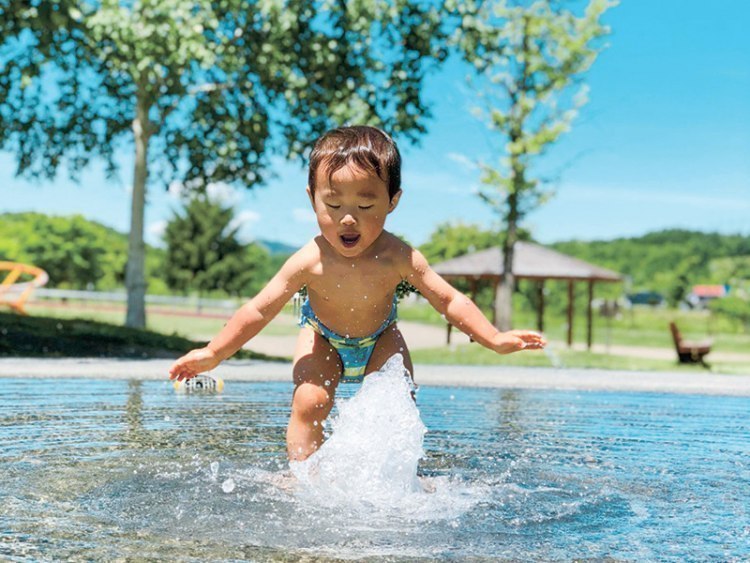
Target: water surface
{"type": "Point", "coordinates": [116, 469]}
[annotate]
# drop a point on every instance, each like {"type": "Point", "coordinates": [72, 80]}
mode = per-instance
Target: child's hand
{"type": "Point", "coordinates": [515, 340]}
{"type": "Point", "coordinates": [194, 362]}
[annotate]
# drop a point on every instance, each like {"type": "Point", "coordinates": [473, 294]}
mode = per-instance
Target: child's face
{"type": "Point", "coordinates": [351, 209]}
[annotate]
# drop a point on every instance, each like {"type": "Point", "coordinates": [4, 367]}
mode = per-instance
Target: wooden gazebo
{"type": "Point", "coordinates": [531, 262]}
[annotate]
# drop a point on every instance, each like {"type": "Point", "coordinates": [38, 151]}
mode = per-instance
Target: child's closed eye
{"type": "Point", "coordinates": [365, 207]}
{"type": "Point", "coordinates": [333, 206]}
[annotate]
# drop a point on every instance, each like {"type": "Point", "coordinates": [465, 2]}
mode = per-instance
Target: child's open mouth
{"type": "Point", "coordinates": [349, 240]}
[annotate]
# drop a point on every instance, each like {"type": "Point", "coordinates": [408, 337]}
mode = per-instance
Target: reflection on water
{"type": "Point", "coordinates": [109, 469]}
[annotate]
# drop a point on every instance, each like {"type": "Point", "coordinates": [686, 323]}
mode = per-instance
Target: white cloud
{"type": "Point", "coordinates": [465, 162]}
{"type": "Point", "coordinates": [218, 192]}
{"type": "Point", "coordinates": [245, 220]}
{"type": "Point", "coordinates": [155, 233]}
{"type": "Point", "coordinates": [175, 189]}
{"type": "Point", "coordinates": [439, 183]}
{"type": "Point", "coordinates": [247, 216]}
{"type": "Point", "coordinates": [303, 215]}
{"type": "Point", "coordinates": [157, 229]}
{"type": "Point", "coordinates": [223, 193]}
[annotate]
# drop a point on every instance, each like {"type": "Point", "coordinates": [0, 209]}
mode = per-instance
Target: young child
{"type": "Point", "coordinates": [351, 270]}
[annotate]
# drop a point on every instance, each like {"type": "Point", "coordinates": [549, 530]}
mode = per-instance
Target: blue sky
{"type": "Point", "coordinates": [664, 142]}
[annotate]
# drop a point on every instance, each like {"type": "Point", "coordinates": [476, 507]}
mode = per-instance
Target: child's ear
{"type": "Point", "coordinates": [394, 201]}
{"type": "Point", "coordinates": [311, 196]}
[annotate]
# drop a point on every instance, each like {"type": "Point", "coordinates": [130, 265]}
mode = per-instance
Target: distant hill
{"type": "Point", "coordinates": [275, 248]}
{"type": "Point", "coordinates": [75, 251]}
{"type": "Point", "coordinates": [669, 261]}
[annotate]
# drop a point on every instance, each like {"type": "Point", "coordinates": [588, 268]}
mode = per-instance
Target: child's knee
{"type": "Point", "coordinates": [311, 401]}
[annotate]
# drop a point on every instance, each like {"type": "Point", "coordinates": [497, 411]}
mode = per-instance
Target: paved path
{"type": "Point", "coordinates": [423, 336]}
{"type": "Point", "coordinates": [698, 382]}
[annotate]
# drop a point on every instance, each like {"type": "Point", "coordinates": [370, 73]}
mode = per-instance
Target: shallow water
{"type": "Point", "coordinates": [114, 469]}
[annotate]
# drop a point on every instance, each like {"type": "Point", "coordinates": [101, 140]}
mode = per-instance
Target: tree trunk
{"type": "Point", "coordinates": [504, 293]}
{"type": "Point", "coordinates": [135, 278]}
{"type": "Point", "coordinates": [504, 303]}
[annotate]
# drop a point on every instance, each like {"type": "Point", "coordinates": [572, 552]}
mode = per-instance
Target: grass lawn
{"type": "Point", "coordinates": [640, 326]}
{"type": "Point", "coordinates": [188, 325]}
{"type": "Point", "coordinates": [64, 337]}
{"type": "Point", "coordinates": [80, 329]}
{"type": "Point", "coordinates": [475, 355]}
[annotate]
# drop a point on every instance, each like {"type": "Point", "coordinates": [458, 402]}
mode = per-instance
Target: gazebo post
{"type": "Point", "coordinates": [495, 303]}
{"type": "Point", "coordinates": [589, 315]}
{"type": "Point", "coordinates": [571, 297]}
{"type": "Point", "coordinates": [540, 308]}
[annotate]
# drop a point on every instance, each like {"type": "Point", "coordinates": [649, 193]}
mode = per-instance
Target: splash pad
{"type": "Point", "coordinates": [108, 470]}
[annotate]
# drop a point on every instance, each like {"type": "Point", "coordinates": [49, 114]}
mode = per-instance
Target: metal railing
{"type": "Point", "coordinates": [121, 297]}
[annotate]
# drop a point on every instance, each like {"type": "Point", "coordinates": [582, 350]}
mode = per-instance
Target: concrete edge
{"type": "Point", "coordinates": [699, 382]}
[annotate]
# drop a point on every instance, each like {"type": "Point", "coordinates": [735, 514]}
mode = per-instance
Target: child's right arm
{"type": "Point", "coordinates": [248, 321]}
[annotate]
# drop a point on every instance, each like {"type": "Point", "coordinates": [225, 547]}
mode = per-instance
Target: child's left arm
{"type": "Point", "coordinates": [462, 313]}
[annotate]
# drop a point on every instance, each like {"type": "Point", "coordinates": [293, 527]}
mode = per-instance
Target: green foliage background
{"type": "Point", "coordinates": [75, 252]}
{"type": "Point", "coordinates": [81, 254]}
{"type": "Point", "coordinates": [204, 253]}
{"type": "Point", "coordinates": [669, 261]}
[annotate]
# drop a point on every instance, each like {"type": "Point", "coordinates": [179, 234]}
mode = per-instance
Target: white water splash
{"type": "Point", "coordinates": [368, 465]}
{"type": "Point", "coordinates": [376, 444]}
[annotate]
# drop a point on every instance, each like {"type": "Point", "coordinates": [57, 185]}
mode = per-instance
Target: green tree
{"type": "Point", "coordinates": [204, 254]}
{"type": "Point", "coordinates": [75, 252]}
{"type": "Point", "coordinates": [449, 240]}
{"type": "Point", "coordinates": [734, 308]}
{"type": "Point", "coordinates": [207, 89]}
{"type": "Point", "coordinates": [527, 59]}
{"type": "Point", "coordinates": [68, 250]}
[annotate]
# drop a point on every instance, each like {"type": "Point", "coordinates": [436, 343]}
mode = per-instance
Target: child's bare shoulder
{"type": "Point", "coordinates": [401, 253]}
{"type": "Point", "coordinates": [303, 262]}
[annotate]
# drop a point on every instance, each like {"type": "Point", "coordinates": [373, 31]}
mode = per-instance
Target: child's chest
{"type": "Point", "coordinates": [357, 280]}
{"type": "Point", "coordinates": [353, 299]}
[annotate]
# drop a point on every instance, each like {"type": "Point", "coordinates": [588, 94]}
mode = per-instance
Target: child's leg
{"type": "Point", "coordinates": [317, 369]}
{"type": "Point", "coordinates": [390, 342]}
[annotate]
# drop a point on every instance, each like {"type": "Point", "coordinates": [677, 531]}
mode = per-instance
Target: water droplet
{"type": "Point", "coordinates": [453, 397]}
{"type": "Point", "coordinates": [228, 485]}
{"type": "Point", "coordinates": [327, 383]}
{"type": "Point", "coordinates": [376, 257]}
{"type": "Point", "coordinates": [338, 285]}
{"type": "Point", "coordinates": [365, 296]}
{"type": "Point", "coordinates": [352, 309]}
{"type": "Point", "coordinates": [166, 418]}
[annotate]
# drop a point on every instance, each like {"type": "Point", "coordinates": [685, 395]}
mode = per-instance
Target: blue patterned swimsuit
{"type": "Point", "coordinates": [354, 352]}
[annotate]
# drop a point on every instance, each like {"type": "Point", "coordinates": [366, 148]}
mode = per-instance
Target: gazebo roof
{"type": "Point", "coordinates": [530, 261]}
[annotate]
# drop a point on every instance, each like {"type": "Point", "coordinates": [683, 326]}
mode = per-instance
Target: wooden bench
{"type": "Point", "coordinates": [14, 293]}
{"type": "Point", "coordinates": [690, 352]}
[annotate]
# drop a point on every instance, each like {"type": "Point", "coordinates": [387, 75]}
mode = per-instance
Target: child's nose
{"type": "Point", "coordinates": [348, 219]}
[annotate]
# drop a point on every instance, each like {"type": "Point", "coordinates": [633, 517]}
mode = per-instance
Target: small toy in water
{"type": "Point", "coordinates": [200, 383]}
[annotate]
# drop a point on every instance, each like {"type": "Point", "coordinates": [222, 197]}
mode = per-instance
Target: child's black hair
{"type": "Point", "coordinates": [367, 148]}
